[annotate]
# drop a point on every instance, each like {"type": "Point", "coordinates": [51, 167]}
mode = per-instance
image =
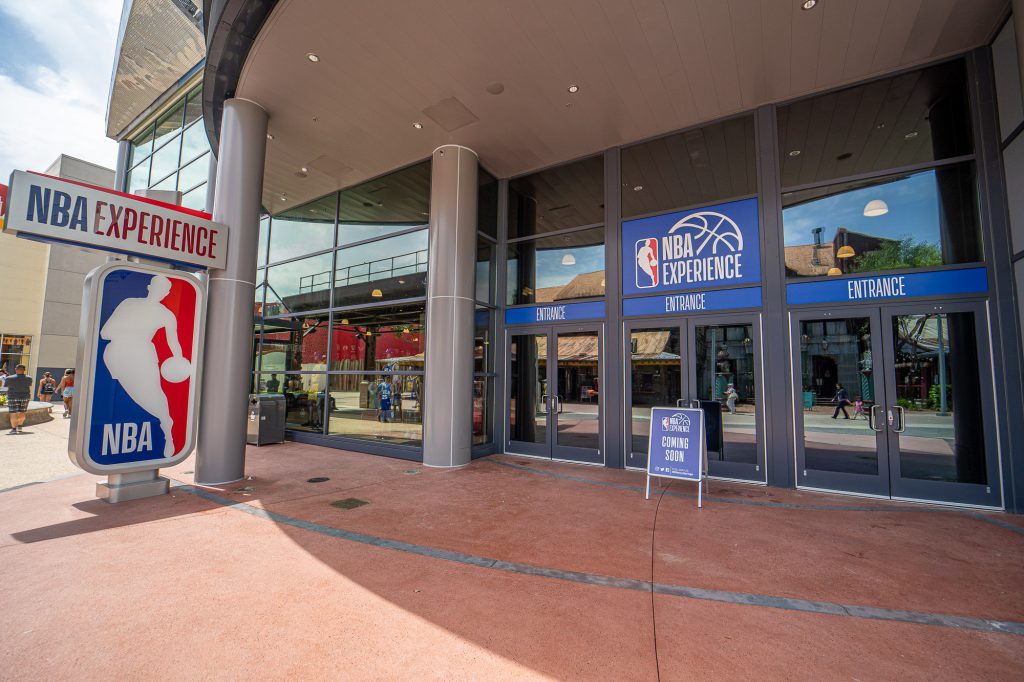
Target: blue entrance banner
{"type": "Point", "coordinates": [675, 448]}
{"type": "Point", "coordinates": [711, 246]}
{"type": "Point", "coordinates": [718, 299]}
{"type": "Point", "coordinates": [593, 310]}
{"type": "Point", "coordinates": [944, 283]}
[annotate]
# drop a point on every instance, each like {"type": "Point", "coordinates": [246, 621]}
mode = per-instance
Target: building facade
{"type": "Point", "coordinates": [452, 251]}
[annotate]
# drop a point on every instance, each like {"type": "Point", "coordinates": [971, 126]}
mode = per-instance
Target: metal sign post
{"type": "Point", "coordinates": [677, 447]}
{"type": "Point", "coordinates": [139, 365]}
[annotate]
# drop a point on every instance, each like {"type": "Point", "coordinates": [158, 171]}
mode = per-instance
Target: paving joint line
{"type": "Point", "coordinates": [702, 594]}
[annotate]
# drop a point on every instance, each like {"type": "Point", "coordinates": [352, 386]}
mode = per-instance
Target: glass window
{"type": "Point", "coordinates": [378, 407]}
{"type": "Point", "coordinates": [725, 373]}
{"type": "Point", "coordinates": [142, 146]}
{"type": "Point", "coordinates": [487, 204]}
{"type": "Point", "coordinates": [195, 199]}
{"type": "Point", "coordinates": [295, 344]}
{"type": "Point", "coordinates": [168, 125]}
{"type": "Point", "coordinates": [15, 350]}
{"type": "Point", "coordinates": [483, 357]}
{"type": "Point", "coordinates": [689, 168]}
{"type": "Point", "coordinates": [257, 308]}
{"type": "Point", "coordinates": [384, 270]}
{"type": "Point", "coordinates": [386, 205]}
{"type": "Point", "coordinates": [304, 229]}
{"type": "Point", "coordinates": [911, 220]}
{"type": "Point", "coordinates": [558, 268]}
{"type": "Point", "coordinates": [194, 142]}
{"type": "Point", "coordinates": [194, 174]}
{"type": "Point", "coordinates": [379, 339]}
{"type": "Point", "coordinates": [484, 271]}
{"type": "Point", "coordinates": [557, 199]}
{"type": "Point", "coordinates": [482, 405]}
{"type": "Point", "coordinates": [655, 378]}
{"type": "Point", "coordinates": [194, 107]}
{"type": "Point", "coordinates": [299, 285]}
{"type": "Point", "coordinates": [138, 177]}
{"type": "Point", "coordinates": [261, 249]}
{"type": "Point", "coordinates": [910, 118]}
{"type": "Point", "coordinates": [304, 398]}
{"type": "Point", "coordinates": [165, 160]}
{"type": "Point", "coordinates": [170, 183]}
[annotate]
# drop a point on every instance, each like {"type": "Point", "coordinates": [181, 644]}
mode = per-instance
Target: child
{"type": "Point", "coordinates": [858, 408]}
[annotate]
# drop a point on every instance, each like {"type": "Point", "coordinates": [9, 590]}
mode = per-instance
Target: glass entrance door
{"type": "Point", "coordinates": [915, 382]}
{"type": "Point", "coordinates": [710, 361]}
{"type": "Point", "coordinates": [555, 393]}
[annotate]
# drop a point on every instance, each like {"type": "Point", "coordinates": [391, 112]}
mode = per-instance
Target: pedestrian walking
{"type": "Point", "coordinates": [384, 400]}
{"type": "Point", "coordinates": [47, 387]}
{"type": "Point", "coordinates": [841, 401]}
{"type": "Point", "coordinates": [66, 390]}
{"type": "Point", "coordinates": [730, 398]}
{"type": "Point", "coordinates": [19, 392]}
{"type": "Point", "coordinates": [858, 408]}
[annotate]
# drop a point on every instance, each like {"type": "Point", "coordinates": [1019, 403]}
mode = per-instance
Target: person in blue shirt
{"type": "Point", "coordinates": [841, 400]}
{"type": "Point", "coordinates": [384, 400]}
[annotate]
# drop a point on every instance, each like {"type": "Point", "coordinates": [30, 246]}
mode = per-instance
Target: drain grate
{"type": "Point", "coordinates": [246, 489]}
{"type": "Point", "coordinates": [317, 479]}
{"type": "Point", "coordinates": [412, 472]}
{"type": "Point", "coordinates": [349, 503]}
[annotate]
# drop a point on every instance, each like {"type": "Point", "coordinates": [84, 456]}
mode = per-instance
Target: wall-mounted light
{"type": "Point", "coordinates": [344, 321]}
{"type": "Point", "coordinates": [376, 293]}
{"type": "Point", "coordinates": [876, 207]}
{"type": "Point", "coordinates": [845, 252]}
{"type": "Point", "coordinates": [834, 272]}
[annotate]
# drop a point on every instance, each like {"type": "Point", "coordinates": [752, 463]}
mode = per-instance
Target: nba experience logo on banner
{"type": "Point", "coordinates": [143, 354]}
{"type": "Point", "coordinates": [713, 246]}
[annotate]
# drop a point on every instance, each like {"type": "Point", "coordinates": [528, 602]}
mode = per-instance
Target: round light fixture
{"type": "Point", "coordinates": [270, 136]}
{"type": "Point", "coordinates": [845, 252]}
{"type": "Point", "coordinates": [313, 57]}
{"type": "Point", "coordinates": [795, 152]}
{"type": "Point", "coordinates": [304, 169]}
{"type": "Point", "coordinates": [911, 135]}
{"type": "Point", "coordinates": [638, 188]}
{"type": "Point", "coordinates": [834, 272]}
{"type": "Point", "coordinates": [876, 207]}
{"type": "Point", "coordinates": [808, 4]}
{"type": "Point", "coordinates": [417, 125]}
{"type": "Point", "coordinates": [574, 88]}
{"type": "Point", "coordinates": [283, 197]}
{"type": "Point", "coordinates": [568, 259]}
{"type": "Point", "coordinates": [344, 321]}
{"type": "Point", "coordinates": [376, 293]}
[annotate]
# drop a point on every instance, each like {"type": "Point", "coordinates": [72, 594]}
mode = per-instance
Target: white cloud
{"type": "Point", "coordinates": [58, 107]}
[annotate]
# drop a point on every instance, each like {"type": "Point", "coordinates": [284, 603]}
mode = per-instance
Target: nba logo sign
{"type": "Point", "coordinates": [139, 362]}
{"type": "Point", "coordinates": [647, 263]}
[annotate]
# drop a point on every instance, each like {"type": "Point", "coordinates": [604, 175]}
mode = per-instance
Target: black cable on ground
{"type": "Point", "coordinates": [654, 620]}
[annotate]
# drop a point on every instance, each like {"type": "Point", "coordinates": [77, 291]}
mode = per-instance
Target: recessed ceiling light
{"type": "Point", "coordinates": [313, 57]}
{"type": "Point", "coordinates": [911, 135]}
{"type": "Point", "coordinates": [638, 188]}
{"type": "Point", "coordinates": [574, 88]}
{"type": "Point", "coordinates": [304, 169]}
{"type": "Point", "coordinates": [879, 126]}
{"type": "Point", "coordinates": [417, 125]}
{"type": "Point", "coordinates": [808, 4]}
{"type": "Point", "coordinates": [283, 197]}
{"type": "Point", "coordinates": [795, 152]}
{"type": "Point", "coordinates": [270, 136]}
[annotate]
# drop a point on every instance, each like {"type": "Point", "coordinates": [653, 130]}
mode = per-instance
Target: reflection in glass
{"type": "Point", "coordinates": [579, 390]}
{"type": "Point", "coordinates": [142, 146]}
{"type": "Point", "coordinates": [557, 199]}
{"type": "Point", "coordinates": [910, 118]}
{"type": "Point", "coordinates": [194, 108]}
{"type": "Point", "coordinates": [298, 285]}
{"type": "Point", "coordinates": [693, 167]}
{"type": "Point", "coordinates": [138, 177]}
{"type": "Point", "coordinates": [912, 220]}
{"type": "Point", "coordinates": [168, 125]}
{"type": "Point", "coordinates": [384, 270]}
{"type": "Point", "coordinates": [655, 381]}
{"type": "Point", "coordinates": [378, 407]}
{"type": "Point", "coordinates": [725, 374]}
{"type": "Point", "coordinates": [196, 198]}
{"type": "Point", "coordinates": [487, 204]}
{"type": "Point", "coordinates": [304, 398]}
{"type": "Point", "coordinates": [388, 204]}
{"type": "Point", "coordinates": [165, 160]}
{"type": "Point", "coordinates": [194, 142]}
{"type": "Point", "coordinates": [261, 249]}
{"type": "Point", "coordinates": [560, 268]}
{"type": "Point", "coordinates": [937, 385]}
{"type": "Point", "coordinates": [304, 229]}
{"type": "Point", "coordinates": [483, 358]}
{"type": "Point", "coordinates": [837, 371]}
{"type": "Point", "coordinates": [194, 174]}
{"type": "Point", "coordinates": [294, 344]}
{"type": "Point", "coordinates": [484, 271]}
{"type": "Point", "coordinates": [15, 350]}
{"type": "Point", "coordinates": [257, 308]}
{"type": "Point", "coordinates": [528, 387]}
{"type": "Point", "coordinates": [379, 339]}
{"type": "Point", "coordinates": [482, 387]}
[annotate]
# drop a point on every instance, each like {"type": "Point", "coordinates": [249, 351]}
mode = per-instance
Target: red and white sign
{"type": "Point", "coordinates": [52, 209]}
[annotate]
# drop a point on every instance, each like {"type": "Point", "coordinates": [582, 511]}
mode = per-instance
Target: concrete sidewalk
{"type": "Point", "coordinates": [507, 569]}
{"type": "Point", "coordinates": [38, 454]}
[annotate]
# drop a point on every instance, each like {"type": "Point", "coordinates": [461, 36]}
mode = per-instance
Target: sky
{"type": "Point", "coordinates": [56, 57]}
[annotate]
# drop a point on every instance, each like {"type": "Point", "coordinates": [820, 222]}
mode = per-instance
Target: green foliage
{"type": "Point", "coordinates": [3, 399]}
{"type": "Point", "coordinates": [934, 397]}
{"type": "Point", "coordinates": [894, 255]}
{"type": "Point", "coordinates": [905, 403]}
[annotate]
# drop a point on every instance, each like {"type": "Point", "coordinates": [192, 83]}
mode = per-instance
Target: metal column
{"type": "Point", "coordinates": [222, 418]}
{"type": "Point", "coordinates": [448, 382]}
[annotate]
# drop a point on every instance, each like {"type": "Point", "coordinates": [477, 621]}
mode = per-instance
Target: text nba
{"type": "Point", "coordinates": [680, 267]}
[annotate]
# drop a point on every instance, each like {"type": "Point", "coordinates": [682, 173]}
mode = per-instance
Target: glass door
{"type": "Point", "coordinates": [554, 399]}
{"type": "Point", "coordinates": [710, 361]}
{"type": "Point", "coordinates": [938, 379]}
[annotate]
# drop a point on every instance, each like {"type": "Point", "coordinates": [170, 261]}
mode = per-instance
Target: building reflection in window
{"type": "Point", "coordinates": [382, 407]}
{"type": "Point", "coordinates": [558, 268]}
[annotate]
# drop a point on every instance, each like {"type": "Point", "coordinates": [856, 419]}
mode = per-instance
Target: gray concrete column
{"type": "Point", "coordinates": [220, 456]}
{"type": "Point", "coordinates": [448, 385]}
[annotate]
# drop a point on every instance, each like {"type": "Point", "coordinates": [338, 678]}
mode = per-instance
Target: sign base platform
{"type": "Point", "coordinates": [132, 486]}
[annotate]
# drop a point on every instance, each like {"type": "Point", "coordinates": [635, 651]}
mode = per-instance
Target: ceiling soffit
{"type": "Point", "coordinates": [494, 76]}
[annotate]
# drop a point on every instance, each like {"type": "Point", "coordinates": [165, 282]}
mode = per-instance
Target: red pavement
{"type": "Point", "coordinates": [183, 586]}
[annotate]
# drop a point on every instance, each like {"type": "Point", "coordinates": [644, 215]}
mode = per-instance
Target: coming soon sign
{"type": "Point", "coordinates": [51, 209]}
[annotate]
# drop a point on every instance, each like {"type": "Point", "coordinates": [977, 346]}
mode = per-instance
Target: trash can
{"type": "Point", "coordinates": [266, 419]}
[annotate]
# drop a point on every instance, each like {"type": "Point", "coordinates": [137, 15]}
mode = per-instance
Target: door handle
{"type": "Point", "coordinates": [694, 404]}
{"type": "Point", "coordinates": [558, 404]}
{"type": "Point", "coordinates": [547, 405]}
{"type": "Point", "coordinates": [680, 402]}
{"type": "Point", "coordinates": [871, 418]}
{"type": "Point", "coordinates": [891, 418]}
{"type": "Point", "coordinates": [903, 419]}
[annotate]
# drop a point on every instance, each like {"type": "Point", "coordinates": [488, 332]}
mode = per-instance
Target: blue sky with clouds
{"type": "Point", "coordinates": [913, 212]}
{"type": "Point", "coordinates": [55, 64]}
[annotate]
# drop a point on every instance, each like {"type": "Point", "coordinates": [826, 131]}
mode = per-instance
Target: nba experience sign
{"type": "Point", "coordinates": [707, 247]}
{"type": "Point", "coordinates": [140, 359]}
